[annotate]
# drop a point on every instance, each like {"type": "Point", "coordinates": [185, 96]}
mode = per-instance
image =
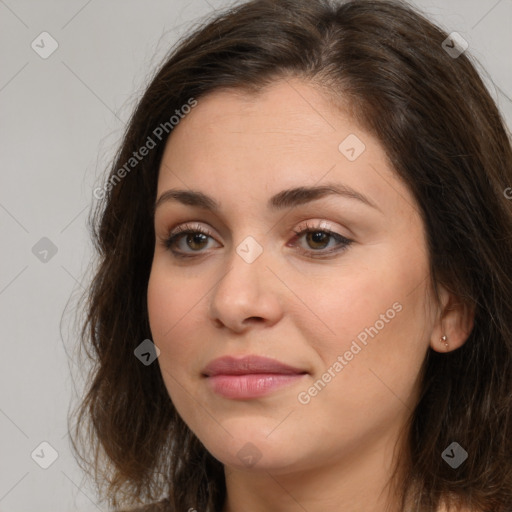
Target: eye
{"type": "Point", "coordinates": [196, 238]}
{"type": "Point", "coordinates": [318, 237]}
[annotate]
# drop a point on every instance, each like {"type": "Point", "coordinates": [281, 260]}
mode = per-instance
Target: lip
{"type": "Point", "coordinates": [247, 365]}
{"type": "Point", "coordinates": [250, 376]}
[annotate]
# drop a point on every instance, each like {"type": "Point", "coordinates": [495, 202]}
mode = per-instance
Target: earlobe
{"type": "Point", "coordinates": [454, 324]}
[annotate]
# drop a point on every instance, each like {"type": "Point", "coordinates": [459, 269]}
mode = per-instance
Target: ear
{"type": "Point", "coordinates": [455, 320]}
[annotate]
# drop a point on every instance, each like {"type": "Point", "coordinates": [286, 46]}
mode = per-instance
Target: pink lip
{"type": "Point", "coordinates": [250, 376]}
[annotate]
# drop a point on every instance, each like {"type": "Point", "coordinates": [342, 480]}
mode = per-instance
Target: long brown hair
{"type": "Point", "coordinates": [445, 137]}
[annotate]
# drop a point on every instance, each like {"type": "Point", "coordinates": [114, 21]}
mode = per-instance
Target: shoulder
{"type": "Point", "coordinates": [160, 506]}
{"type": "Point", "coordinates": [443, 508]}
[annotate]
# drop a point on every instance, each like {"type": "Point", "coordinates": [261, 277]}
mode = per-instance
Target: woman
{"type": "Point", "coordinates": [303, 300]}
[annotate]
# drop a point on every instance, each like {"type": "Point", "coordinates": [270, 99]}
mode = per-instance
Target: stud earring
{"type": "Point", "coordinates": [444, 340]}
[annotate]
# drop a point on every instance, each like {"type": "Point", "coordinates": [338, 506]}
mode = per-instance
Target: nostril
{"type": "Point", "coordinates": [257, 318]}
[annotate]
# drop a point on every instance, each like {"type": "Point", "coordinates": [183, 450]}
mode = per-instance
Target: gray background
{"type": "Point", "coordinates": [61, 121]}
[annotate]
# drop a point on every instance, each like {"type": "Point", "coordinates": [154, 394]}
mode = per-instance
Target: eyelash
{"type": "Point", "coordinates": [170, 242]}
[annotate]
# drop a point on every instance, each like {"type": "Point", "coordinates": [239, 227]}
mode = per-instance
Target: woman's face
{"type": "Point", "coordinates": [352, 319]}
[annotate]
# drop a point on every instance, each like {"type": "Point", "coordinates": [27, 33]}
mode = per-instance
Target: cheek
{"type": "Point", "coordinates": [369, 368]}
{"type": "Point", "coordinates": [171, 312]}
{"type": "Point", "coordinates": [172, 307]}
{"type": "Point", "coordinates": [161, 305]}
{"type": "Point", "coordinates": [375, 315]}
{"type": "Point", "coordinates": [171, 297]}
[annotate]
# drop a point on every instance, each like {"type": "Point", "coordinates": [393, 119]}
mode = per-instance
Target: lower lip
{"type": "Point", "coordinates": [250, 385]}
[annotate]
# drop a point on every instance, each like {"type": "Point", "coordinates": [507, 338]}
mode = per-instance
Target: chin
{"type": "Point", "coordinates": [253, 445]}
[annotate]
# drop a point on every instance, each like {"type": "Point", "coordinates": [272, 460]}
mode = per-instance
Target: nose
{"type": "Point", "coordinates": [247, 294]}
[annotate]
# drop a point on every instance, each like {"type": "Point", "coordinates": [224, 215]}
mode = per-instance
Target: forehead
{"type": "Point", "coordinates": [235, 144]}
{"type": "Point", "coordinates": [284, 109]}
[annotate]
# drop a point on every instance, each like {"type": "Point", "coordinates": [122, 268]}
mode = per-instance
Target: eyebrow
{"type": "Point", "coordinates": [284, 199]}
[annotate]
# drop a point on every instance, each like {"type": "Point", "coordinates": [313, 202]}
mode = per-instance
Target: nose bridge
{"type": "Point", "coordinates": [246, 269]}
{"type": "Point", "coordinates": [244, 291]}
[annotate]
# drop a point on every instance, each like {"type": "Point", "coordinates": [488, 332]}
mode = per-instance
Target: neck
{"type": "Point", "coordinates": [356, 480]}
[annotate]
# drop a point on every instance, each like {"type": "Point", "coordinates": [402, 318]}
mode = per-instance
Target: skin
{"type": "Point", "coordinates": [336, 451]}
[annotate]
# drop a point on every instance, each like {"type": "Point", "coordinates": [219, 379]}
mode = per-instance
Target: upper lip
{"type": "Point", "coordinates": [251, 364]}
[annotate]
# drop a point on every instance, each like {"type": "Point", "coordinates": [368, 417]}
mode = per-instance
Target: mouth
{"type": "Point", "coordinates": [249, 377]}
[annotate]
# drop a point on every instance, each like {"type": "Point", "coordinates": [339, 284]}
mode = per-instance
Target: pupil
{"type": "Point", "coordinates": [319, 236]}
{"type": "Point", "coordinates": [195, 238]}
